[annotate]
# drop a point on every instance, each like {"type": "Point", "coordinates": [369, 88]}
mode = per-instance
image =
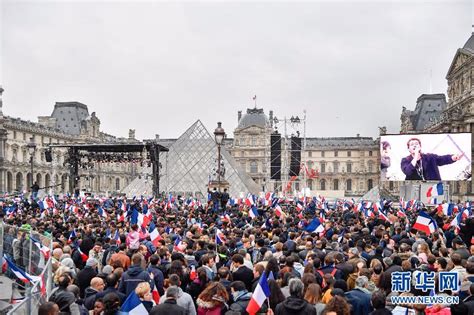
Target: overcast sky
{"type": "Point", "coordinates": [157, 67]}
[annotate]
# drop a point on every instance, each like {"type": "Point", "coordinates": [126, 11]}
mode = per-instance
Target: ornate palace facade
{"type": "Point", "coordinates": [70, 122]}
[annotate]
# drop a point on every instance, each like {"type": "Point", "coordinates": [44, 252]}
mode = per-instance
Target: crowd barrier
{"type": "Point", "coordinates": [25, 248]}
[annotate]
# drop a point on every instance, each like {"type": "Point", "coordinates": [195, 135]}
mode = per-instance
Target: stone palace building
{"type": "Point", "coordinates": [70, 122]}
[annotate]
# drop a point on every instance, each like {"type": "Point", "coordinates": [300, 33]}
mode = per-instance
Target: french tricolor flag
{"type": "Point", "coordinates": [383, 216]}
{"type": "Point", "coordinates": [20, 274]}
{"type": "Point", "coordinates": [401, 213]}
{"type": "Point", "coordinates": [299, 206]}
{"type": "Point", "coordinates": [154, 234]}
{"type": "Point", "coordinates": [253, 212]}
{"type": "Point", "coordinates": [249, 200]}
{"type": "Point", "coordinates": [261, 293]}
{"type": "Point", "coordinates": [133, 305]}
{"type": "Point", "coordinates": [117, 237]}
{"type": "Point", "coordinates": [220, 237]}
{"type": "Point", "coordinates": [457, 221]}
{"type": "Point", "coordinates": [446, 208]}
{"type": "Point", "coordinates": [435, 190]}
{"type": "Point", "coordinates": [315, 226]}
{"type": "Point", "coordinates": [425, 223]}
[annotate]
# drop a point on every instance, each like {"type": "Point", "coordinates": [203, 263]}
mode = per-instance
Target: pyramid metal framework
{"type": "Point", "coordinates": [188, 167]}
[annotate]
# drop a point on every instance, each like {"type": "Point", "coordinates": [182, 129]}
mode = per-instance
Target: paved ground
{"type": "Point", "coordinates": [5, 293]}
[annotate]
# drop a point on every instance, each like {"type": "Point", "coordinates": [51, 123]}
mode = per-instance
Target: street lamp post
{"type": "Point", "coordinates": [219, 135]}
{"type": "Point", "coordinates": [32, 149]}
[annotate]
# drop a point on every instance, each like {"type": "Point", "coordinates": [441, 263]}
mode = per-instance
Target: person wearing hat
{"type": "Point", "coordinates": [85, 275]}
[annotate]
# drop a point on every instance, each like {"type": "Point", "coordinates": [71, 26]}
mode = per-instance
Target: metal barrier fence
{"type": "Point", "coordinates": [26, 249]}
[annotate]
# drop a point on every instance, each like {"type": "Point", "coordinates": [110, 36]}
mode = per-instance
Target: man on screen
{"type": "Point", "coordinates": [424, 166]}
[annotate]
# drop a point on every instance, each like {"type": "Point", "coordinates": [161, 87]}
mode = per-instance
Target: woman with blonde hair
{"type": "Point", "coordinates": [313, 297]}
{"type": "Point", "coordinates": [213, 300]}
{"type": "Point", "coordinates": [143, 290]}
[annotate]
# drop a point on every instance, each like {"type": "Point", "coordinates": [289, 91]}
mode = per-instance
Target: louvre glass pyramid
{"type": "Point", "coordinates": [190, 164]}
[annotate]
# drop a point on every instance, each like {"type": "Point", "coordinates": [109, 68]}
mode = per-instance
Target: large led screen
{"type": "Point", "coordinates": [425, 157]}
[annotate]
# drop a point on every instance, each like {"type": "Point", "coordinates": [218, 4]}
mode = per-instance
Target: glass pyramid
{"type": "Point", "coordinates": [189, 166]}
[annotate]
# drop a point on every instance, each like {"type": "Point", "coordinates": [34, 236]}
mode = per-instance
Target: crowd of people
{"type": "Point", "coordinates": [180, 256]}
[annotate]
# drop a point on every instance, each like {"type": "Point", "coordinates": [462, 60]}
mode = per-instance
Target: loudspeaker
{"type": "Point", "coordinates": [295, 161]}
{"type": "Point", "coordinates": [275, 156]}
{"type": "Point", "coordinates": [48, 156]}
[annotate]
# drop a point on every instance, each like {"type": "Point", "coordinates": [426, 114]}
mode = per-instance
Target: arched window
{"type": "Point", "coordinates": [349, 184]}
{"type": "Point", "coordinates": [336, 184]}
{"type": "Point", "coordinates": [117, 184]}
{"type": "Point", "coordinates": [19, 181]}
{"type": "Point", "coordinates": [323, 184]}
{"type": "Point", "coordinates": [253, 167]}
{"type": "Point", "coordinates": [9, 182]}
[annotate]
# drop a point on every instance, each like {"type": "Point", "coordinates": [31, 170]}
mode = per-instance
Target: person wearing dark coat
{"type": "Point", "coordinates": [424, 166]}
{"type": "Point", "coordinates": [134, 275]}
{"type": "Point", "coordinates": [112, 283]}
{"type": "Point", "coordinates": [386, 277]}
{"type": "Point", "coordinates": [61, 296]}
{"type": "Point", "coordinates": [378, 300]}
{"type": "Point", "coordinates": [359, 297]}
{"type": "Point", "coordinates": [170, 305]}
{"type": "Point", "coordinates": [295, 304]}
{"type": "Point", "coordinates": [158, 277]}
{"type": "Point", "coordinates": [469, 301]}
{"type": "Point", "coordinates": [241, 298]}
{"type": "Point", "coordinates": [241, 272]}
{"type": "Point", "coordinates": [90, 294]}
{"type": "Point", "coordinates": [85, 275]}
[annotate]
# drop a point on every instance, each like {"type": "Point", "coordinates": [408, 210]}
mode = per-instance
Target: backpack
{"type": "Point", "coordinates": [324, 284]}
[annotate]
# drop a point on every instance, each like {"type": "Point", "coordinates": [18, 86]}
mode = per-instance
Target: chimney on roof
{"type": "Point", "coordinates": [271, 118]}
{"type": "Point", "coordinates": [358, 135]}
{"type": "Point", "coordinates": [239, 115]}
{"type": "Point", "coordinates": [131, 134]}
{"type": "Point", "coordinates": [157, 137]}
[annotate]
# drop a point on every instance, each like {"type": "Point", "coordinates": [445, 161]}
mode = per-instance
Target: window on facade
{"type": "Point", "coordinates": [349, 167]}
{"type": "Point", "coordinates": [349, 185]}
{"type": "Point", "coordinates": [310, 185]}
{"type": "Point", "coordinates": [336, 167]}
{"type": "Point", "coordinates": [253, 167]}
{"type": "Point", "coordinates": [310, 154]}
{"type": "Point", "coordinates": [254, 141]}
{"type": "Point", "coordinates": [370, 184]}
{"type": "Point", "coordinates": [370, 153]}
{"type": "Point", "coordinates": [335, 184]}
{"type": "Point", "coordinates": [323, 167]}
{"type": "Point", "coordinates": [24, 136]}
{"type": "Point", "coordinates": [322, 153]}
{"type": "Point", "coordinates": [390, 185]}
{"type": "Point", "coordinates": [117, 183]}
{"type": "Point", "coordinates": [349, 153]}
{"type": "Point", "coordinates": [323, 184]}
{"type": "Point", "coordinates": [14, 134]}
{"type": "Point", "coordinates": [336, 154]}
{"type": "Point", "coordinates": [469, 187]}
{"type": "Point", "coordinates": [370, 166]}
